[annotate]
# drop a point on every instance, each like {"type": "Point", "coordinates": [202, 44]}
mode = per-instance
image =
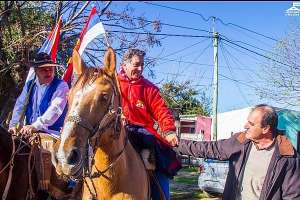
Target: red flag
{"type": "Point", "coordinates": [50, 45]}
{"type": "Point", "coordinates": [68, 74]}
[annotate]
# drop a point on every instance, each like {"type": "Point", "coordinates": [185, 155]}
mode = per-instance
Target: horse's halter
{"type": "Point", "coordinates": [112, 117]}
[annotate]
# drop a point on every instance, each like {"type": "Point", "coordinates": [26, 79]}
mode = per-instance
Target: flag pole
{"type": "Point", "coordinates": [106, 39]}
{"type": "Point", "coordinates": [22, 116]}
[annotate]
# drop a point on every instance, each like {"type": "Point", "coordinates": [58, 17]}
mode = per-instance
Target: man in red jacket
{"type": "Point", "coordinates": [142, 107]}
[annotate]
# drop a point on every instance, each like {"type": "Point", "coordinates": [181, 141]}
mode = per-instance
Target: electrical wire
{"type": "Point", "coordinates": [163, 34]}
{"type": "Point", "coordinates": [212, 17]}
{"type": "Point", "coordinates": [259, 54]}
{"type": "Point", "coordinates": [198, 56]}
{"type": "Point", "coordinates": [182, 10]}
{"type": "Point", "coordinates": [232, 75]}
{"type": "Point", "coordinates": [183, 49]}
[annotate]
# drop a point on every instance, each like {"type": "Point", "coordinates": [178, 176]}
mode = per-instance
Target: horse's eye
{"type": "Point", "coordinates": [104, 97]}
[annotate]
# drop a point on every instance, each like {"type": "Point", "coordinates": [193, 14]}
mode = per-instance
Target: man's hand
{"type": "Point", "coordinates": [172, 138]}
{"type": "Point", "coordinates": [28, 130]}
{"type": "Point", "coordinates": [13, 130]}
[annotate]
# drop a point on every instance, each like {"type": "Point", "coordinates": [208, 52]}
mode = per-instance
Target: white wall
{"type": "Point", "coordinates": [232, 121]}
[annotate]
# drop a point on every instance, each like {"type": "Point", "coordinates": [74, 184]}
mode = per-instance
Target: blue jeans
{"type": "Point", "coordinates": [164, 184]}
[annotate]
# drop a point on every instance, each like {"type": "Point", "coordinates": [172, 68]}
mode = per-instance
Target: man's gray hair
{"type": "Point", "coordinates": [270, 117]}
{"type": "Point", "coordinates": [133, 52]}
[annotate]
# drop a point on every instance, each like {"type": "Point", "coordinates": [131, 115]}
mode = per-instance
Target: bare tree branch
{"type": "Point", "coordinates": [77, 14]}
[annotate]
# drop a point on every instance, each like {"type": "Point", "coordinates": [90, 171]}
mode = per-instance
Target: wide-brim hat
{"type": "Point", "coordinates": [43, 60]}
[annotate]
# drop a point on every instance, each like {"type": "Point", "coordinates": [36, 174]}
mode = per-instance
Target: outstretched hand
{"type": "Point", "coordinates": [172, 139]}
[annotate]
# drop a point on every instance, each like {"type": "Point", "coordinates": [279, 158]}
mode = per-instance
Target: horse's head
{"type": "Point", "coordinates": [93, 107]}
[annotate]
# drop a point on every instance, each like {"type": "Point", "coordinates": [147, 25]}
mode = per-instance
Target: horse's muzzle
{"type": "Point", "coordinates": [71, 164]}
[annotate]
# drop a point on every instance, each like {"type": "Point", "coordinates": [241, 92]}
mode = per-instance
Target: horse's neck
{"type": "Point", "coordinates": [126, 178]}
{"type": "Point", "coordinates": [108, 153]}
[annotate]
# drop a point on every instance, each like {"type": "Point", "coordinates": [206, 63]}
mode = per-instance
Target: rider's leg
{"type": "Point", "coordinates": [164, 183]}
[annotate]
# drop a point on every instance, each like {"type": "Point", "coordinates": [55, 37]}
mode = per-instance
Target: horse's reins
{"type": "Point", "coordinates": [10, 164]}
{"type": "Point", "coordinates": [113, 115]}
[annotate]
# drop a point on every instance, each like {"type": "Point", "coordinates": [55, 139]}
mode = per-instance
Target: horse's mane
{"type": "Point", "coordinates": [89, 75]}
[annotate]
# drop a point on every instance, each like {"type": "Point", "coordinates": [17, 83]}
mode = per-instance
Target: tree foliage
{"type": "Point", "coordinates": [183, 97]}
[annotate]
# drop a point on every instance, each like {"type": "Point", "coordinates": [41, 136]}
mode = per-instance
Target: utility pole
{"type": "Point", "coordinates": [215, 84]}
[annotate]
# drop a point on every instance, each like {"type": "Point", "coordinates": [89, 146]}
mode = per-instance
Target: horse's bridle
{"type": "Point", "coordinates": [112, 117]}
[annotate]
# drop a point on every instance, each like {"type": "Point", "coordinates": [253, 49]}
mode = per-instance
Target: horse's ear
{"type": "Point", "coordinates": [110, 61]}
{"type": "Point", "coordinates": [78, 64]}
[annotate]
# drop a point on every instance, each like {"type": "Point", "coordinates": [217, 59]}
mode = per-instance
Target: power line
{"type": "Point", "coordinates": [211, 17]}
{"type": "Point", "coordinates": [176, 26]}
{"type": "Point", "coordinates": [179, 74]}
{"type": "Point", "coordinates": [232, 79]}
{"type": "Point", "coordinates": [180, 35]}
{"type": "Point", "coordinates": [185, 48]}
{"type": "Point", "coordinates": [163, 34]}
{"type": "Point", "coordinates": [260, 34]}
{"type": "Point", "coordinates": [238, 62]}
{"type": "Point", "coordinates": [162, 23]}
{"type": "Point", "coordinates": [245, 43]}
{"type": "Point", "coordinates": [239, 31]}
{"type": "Point", "coordinates": [259, 54]}
{"type": "Point", "coordinates": [199, 55]}
{"type": "Point", "coordinates": [196, 63]}
{"type": "Point", "coordinates": [229, 68]}
{"type": "Point", "coordinates": [244, 52]}
{"type": "Point", "coordinates": [186, 11]}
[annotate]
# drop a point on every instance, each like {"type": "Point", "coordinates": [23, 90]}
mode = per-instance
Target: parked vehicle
{"type": "Point", "coordinates": [212, 176]}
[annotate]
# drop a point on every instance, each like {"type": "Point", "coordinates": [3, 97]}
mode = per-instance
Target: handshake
{"type": "Point", "coordinates": [172, 138]}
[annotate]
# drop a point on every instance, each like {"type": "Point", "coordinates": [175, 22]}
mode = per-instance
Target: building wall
{"type": "Point", "coordinates": [231, 122]}
{"type": "Point", "coordinates": [187, 127]}
{"type": "Point", "coordinates": [203, 126]}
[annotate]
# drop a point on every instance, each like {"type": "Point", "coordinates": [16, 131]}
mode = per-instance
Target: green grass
{"type": "Point", "coordinates": [186, 180]}
{"type": "Point", "coordinates": [186, 176]}
{"type": "Point", "coordinates": [186, 185]}
{"type": "Point", "coordinates": [192, 179]}
{"type": "Point", "coordinates": [189, 169]}
{"type": "Point", "coordinates": [188, 194]}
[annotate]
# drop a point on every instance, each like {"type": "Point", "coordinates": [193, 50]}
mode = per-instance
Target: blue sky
{"type": "Point", "coordinates": [194, 56]}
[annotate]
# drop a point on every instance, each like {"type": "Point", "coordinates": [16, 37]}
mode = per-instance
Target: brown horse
{"type": "Point", "coordinates": [116, 170]}
{"type": "Point", "coordinates": [17, 186]}
{"type": "Point", "coordinates": [19, 177]}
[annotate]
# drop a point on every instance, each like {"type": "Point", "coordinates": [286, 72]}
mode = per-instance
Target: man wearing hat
{"type": "Point", "coordinates": [41, 108]}
{"type": "Point", "coordinates": [43, 99]}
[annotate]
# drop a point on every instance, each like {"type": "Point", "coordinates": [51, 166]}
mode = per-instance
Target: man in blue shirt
{"type": "Point", "coordinates": [45, 109]}
{"type": "Point", "coordinates": [41, 108]}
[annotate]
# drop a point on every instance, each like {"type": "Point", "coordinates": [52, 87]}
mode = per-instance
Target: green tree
{"type": "Point", "coordinates": [183, 97]}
